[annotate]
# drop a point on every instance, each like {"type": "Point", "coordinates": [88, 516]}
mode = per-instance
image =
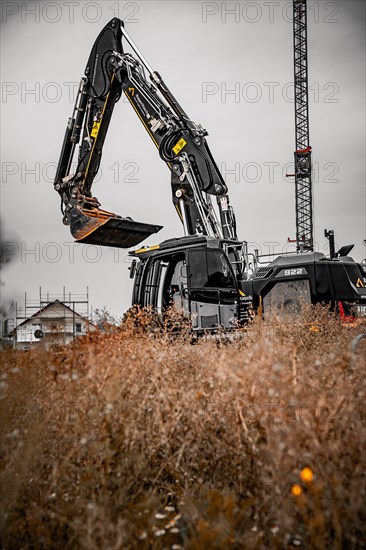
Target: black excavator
{"type": "Point", "coordinates": [207, 273]}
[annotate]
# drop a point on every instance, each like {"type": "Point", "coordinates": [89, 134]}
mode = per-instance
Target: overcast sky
{"type": "Point", "coordinates": [230, 65]}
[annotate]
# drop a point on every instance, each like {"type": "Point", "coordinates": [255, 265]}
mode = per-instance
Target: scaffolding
{"type": "Point", "coordinates": [52, 326]}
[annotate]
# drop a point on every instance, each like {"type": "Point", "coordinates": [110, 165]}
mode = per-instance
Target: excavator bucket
{"type": "Point", "coordinates": [103, 228]}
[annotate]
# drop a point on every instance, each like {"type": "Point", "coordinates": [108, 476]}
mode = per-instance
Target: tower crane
{"type": "Point", "coordinates": [303, 161]}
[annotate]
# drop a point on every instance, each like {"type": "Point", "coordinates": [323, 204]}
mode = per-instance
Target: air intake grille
{"type": "Point", "coordinates": [263, 272]}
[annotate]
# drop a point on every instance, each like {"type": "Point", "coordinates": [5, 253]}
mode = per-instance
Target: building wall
{"type": "Point", "coordinates": [58, 324]}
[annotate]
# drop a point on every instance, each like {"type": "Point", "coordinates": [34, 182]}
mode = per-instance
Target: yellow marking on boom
{"type": "Point", "coordinates": [179, 212]}
{"type": "Point", "coordinates": [146, 127]}
{"type": "Point", "coordinates": [95, 140]}
{"type": "Point", "coordinates": [147, 249]}
{"type": "Point", "coordinates": [142, 120]}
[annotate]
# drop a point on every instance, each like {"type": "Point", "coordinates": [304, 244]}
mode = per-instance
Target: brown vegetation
{"type": "Point", "coordinates": [136, 438]}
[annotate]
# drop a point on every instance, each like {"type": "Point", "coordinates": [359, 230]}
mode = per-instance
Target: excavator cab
{"type": "Point", "coordinates": [193, 274]}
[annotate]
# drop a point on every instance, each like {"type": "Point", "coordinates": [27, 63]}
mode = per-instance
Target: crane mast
{"type": "Point", "coordinates": [303, 162]}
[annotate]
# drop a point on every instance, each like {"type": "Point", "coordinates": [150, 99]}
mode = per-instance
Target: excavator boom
{"type": "Point", "coordinates": [180, 142]}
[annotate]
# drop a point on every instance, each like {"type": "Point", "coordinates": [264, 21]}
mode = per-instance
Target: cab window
{"type": "Point", "coordinates": [210, 269]}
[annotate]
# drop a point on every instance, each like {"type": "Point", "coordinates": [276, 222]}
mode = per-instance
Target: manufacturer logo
{"type": "Point", "coordinates": [359, 283]}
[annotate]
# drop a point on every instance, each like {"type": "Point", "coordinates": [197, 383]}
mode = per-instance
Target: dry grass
{"type": "Point", "coordinates": [135, 438]}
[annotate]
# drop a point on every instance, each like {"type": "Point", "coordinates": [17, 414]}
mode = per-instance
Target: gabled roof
{"type": "Point", "coordinates": [39, 312]}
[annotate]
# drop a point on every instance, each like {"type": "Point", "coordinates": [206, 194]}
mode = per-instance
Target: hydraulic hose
{"type": "Point", "coordinates": [165, 149]}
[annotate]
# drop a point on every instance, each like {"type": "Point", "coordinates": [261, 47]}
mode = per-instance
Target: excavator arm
{"type": "Point", "coordinates": [180, 142]}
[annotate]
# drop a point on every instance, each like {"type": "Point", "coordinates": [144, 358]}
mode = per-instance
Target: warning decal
{"type": "Point", "coordinates": [179, 145]}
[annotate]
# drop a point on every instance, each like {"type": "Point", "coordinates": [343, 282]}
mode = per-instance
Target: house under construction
{"type": "Point", "coordinates": [51, 320]}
